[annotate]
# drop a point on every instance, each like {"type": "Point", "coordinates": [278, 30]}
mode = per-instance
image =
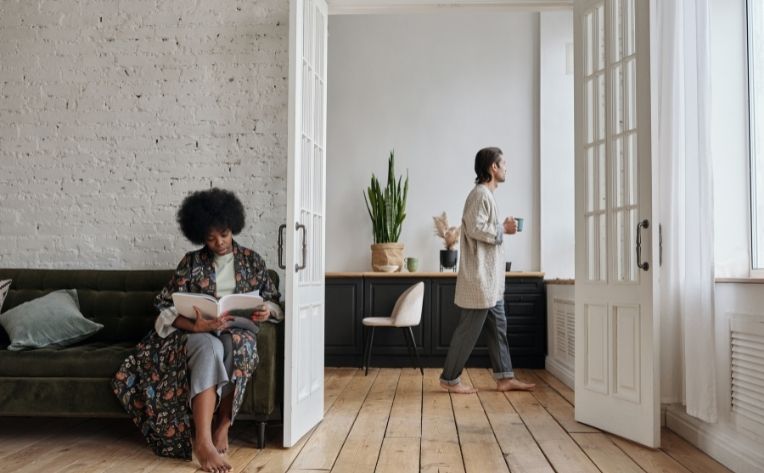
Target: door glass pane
{"type": "Point", "coordinates": [601, 103]}
{"type": "Point", "coordinates": [632, 254]}
{"type": "Point", "coordinates": [603, 247]}
{"type": "Point", "coordinates": [590, 248]}
{"type": "Point", "coordinates": [600, 37]}
{"type": "Point", "coordinates": [602, 178]}
{"type": "Point", "coordinates": [589, 44]}
{"type": "Point", "coordinates": [633, 172]}
{"type": "Point", "coordinates": [631, 94]}
{"type": "Point", "coordinates": [589, 100]}
{"type": "Point", "coordinates": [620, 236]}
{"type": "Point", "coordinates": [590, 179]}
{"type": "Point", "coordinates": [617, 30]}
{"type": "Point", "coordinates": [620, 171]}
{"type": "Point", "coordinates": [629, 46]}
{"type": "Point", "coordinates": [618, 98]}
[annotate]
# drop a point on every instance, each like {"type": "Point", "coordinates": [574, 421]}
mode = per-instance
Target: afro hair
{"type": "Point", "coordinates": [207, 210]}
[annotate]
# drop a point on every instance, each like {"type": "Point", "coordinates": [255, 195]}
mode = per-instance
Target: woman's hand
{"type": "Point", "coordinates": [202, 324]}
{"type": "Point", "coordinates": [260, 314]}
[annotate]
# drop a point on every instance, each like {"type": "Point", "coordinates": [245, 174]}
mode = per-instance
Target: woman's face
{"type": "Point", "coordinates": [220, 242]}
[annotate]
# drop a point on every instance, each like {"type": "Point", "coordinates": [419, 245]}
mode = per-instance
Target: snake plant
{"type": "Point", "coordinates": [387, 207]}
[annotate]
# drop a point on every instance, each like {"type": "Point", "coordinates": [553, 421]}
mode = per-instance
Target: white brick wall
{"type": "Point", "coordinates": [111, 111]}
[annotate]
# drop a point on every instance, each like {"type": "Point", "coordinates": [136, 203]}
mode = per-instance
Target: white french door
{"type": "Point", "coordinates": [305, 228]}
{"type": "Point", "coordinates": [617, 382]}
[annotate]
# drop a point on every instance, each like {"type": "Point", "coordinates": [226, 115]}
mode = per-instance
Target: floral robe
{"type": "Point", "coordinates": [152, 384]}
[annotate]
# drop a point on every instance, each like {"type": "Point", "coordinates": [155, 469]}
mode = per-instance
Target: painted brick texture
{"type": "Point", "coordinates": [112, 111]}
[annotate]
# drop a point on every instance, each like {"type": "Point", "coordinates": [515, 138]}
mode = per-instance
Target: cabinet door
{"type": "Point", "coordinates": [445, 318]}
{"type": "Point", "coordinates": [343, 333]}
{"type": "Point", "coordinates": [380, 297]}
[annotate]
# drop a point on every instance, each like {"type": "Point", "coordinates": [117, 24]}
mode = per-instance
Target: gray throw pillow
{"type": "Point", "coordinates": [5, 286]}
{"type": "Point", "coordinates": [51, 320]}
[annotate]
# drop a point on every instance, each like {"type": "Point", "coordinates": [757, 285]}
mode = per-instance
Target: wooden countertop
{"type": "Point", "coordinates": [406, 274]}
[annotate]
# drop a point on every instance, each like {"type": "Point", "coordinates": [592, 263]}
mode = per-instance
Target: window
{"type": "Point", "coordinates": [756, 127]}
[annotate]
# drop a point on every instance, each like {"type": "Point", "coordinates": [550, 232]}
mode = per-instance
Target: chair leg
{"type": "Point", "coordinates": [408, 343]}
{"type": "Point", "coordinates": [368, 350]}
{"type": "Point", "coordinates": [365, 346]}
{"type": "Point", "coordinates": [416, 353]}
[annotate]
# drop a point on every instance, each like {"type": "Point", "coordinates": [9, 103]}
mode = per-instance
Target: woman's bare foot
{"type": "Point", "coordinates": [220, 435]}
{"type": "Point", "coordinates": [458, 388]}
{"type": "Point", "coordinates": [209, 458]}
{"type": "Point", "coordinates": [513, 384]}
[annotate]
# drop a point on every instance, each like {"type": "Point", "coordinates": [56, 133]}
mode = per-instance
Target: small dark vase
{"type": "Point", "coordinates": [448, 259]}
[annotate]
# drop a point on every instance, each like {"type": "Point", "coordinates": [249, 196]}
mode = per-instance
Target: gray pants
{"type": "Point", "coordinates": [465, 336]}
{"type": "Point", "coordinates": [210, 363]}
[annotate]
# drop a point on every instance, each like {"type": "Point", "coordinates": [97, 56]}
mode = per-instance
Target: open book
{"type": "Point", "coordinates": [211, 307]}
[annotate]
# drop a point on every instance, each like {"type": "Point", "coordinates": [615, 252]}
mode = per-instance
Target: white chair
{"type": "Point", "coordinates": [407, 313]}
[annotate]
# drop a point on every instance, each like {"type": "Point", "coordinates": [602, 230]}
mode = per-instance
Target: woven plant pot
{"type": "Point", "coordinates": [386, 254]}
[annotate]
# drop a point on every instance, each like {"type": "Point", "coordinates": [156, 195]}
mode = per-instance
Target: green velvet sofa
{"type": "Point", "coordinates": [74, 381]}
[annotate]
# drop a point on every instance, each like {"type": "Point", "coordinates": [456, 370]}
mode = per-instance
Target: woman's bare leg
{"type": "Point", "coordinates": [223, 422]}
{"type": "Point", "coordinates": [203, 406]}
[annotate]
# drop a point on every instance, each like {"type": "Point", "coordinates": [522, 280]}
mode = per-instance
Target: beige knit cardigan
{"type": "Point", "coordinates": [480, 281]}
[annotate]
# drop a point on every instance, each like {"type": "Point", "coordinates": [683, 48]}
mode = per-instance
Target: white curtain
{"type": "Point", "coordinates": [680, 126]}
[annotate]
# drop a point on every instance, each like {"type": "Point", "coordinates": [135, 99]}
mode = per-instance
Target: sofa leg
{"type": "Point", "coordinates": [261, 435]}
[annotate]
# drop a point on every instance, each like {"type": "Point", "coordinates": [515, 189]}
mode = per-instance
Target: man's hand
{"type": "Point", "coordinates": [261, 313]}
{"type": "Point", "coordinates": [202, 324]}
{"type": "Point", "coordinates": [510, 226]}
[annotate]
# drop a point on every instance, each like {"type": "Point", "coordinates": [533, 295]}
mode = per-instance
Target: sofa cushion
{"type": "Point", "coordinates": [51, 320]}
{"type": "Point", "coordinates": [88, 360]}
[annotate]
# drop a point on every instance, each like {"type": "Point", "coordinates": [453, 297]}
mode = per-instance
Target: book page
{"type": "Point", "coordinates": [240, 301]}
{"type": "Point", "coordinates": [185, 302]}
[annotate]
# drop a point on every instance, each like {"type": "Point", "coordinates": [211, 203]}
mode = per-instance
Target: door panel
{"type": "Point", "coordinates": [304, 289]}
{"type": "Point", "coordinates": [616, 356]}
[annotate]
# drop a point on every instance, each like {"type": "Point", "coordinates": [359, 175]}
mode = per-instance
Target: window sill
{"type": "Point", "coordinates": [751, 280]}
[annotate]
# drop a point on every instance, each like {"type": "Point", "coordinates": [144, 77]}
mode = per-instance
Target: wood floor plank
{"type": "Point", "coordinates": [480, 449]}
{"type": "Point", "coordinates": [325, 443]}
{"type": "Point", "coordinates": [561, 451]}
{"type": "Point", "coordinates": [363, 444]}
{"type": "Point", "coordinates": [440, 451]}
{"type": "Point", "coordinates": [520, 450]}
{"type": "Point", "coordinates": [652, 461]}
{"type": "Point", "coordinates": [557, 385]}
{"type": "Point", "coordinates": [26, 431]}
{"type": "Point", "coordinates": [688, 455]}
{"type": "Point", "coordinates": [557, 405]}
{"type": "Point", "coordinates": [406, 414]}
{"type": "Point", "coordinates": [399, 455]}
{"type": "Point", "coordinates": [605, 454]}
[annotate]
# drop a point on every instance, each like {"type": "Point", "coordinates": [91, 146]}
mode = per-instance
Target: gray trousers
{"type": "Point", "coordinates": [210, 363]}
{"type": "Point", "coordinates": [465, 336]}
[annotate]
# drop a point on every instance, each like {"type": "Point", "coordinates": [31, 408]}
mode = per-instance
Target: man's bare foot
{"type": "Point", "coordinates": [220, 435]}
{"type": "Point", "coordinates": [209, 458]}
{"type": "Point", "coordinates": [458, 388]}
{"type": "Point", "coordinates": [513, 384]}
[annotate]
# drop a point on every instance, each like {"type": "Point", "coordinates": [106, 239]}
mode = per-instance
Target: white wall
{"type": "Point", "coordinates": [556, 147]}
{"type": "Point", "coordinates": [111, 112]}
{"type": "Point", "coordinates": [436, 87]}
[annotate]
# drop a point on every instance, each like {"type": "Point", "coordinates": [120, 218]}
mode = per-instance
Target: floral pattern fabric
{"type": "Point", "coordinates": [153, 383]}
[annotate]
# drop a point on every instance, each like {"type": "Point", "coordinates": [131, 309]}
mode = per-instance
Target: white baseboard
{"type": "Point", "coordinates": [561, 372]}
{"type": "Point", "coordinates": [731, 449]}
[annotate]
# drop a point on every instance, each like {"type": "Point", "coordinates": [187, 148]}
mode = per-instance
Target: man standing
{"type": "Point", "coordinates": [480, 282]}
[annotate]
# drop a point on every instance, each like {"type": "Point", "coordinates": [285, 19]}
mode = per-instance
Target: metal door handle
{"type": "Point", "coordinates": [282, 227]}
{"type": "Point", "coordinates": [298, 226]}
{"type": "Point", "coordinates": [643, 224]}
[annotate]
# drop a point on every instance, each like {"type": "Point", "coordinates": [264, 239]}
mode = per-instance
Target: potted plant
{"type": "Point", "coordinates": [387, 209]}
{"type": "Point", "coordinates": [450, 236]}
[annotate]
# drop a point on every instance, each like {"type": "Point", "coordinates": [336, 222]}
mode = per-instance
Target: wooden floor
{"type": "Point", "coordinates": [389, 421]}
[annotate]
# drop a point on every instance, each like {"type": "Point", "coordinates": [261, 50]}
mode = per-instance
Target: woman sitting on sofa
{"type": "Point", "coordinates": [204, 363]}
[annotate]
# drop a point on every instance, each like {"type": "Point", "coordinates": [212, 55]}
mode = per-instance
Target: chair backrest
{"type": "Point", "coordinates": [408, 308]}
